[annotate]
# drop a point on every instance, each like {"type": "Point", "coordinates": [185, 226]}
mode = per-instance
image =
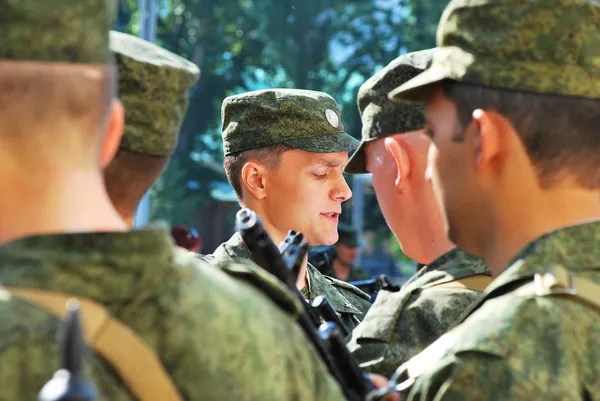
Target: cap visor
{"type": "Point", "coordinates": [331, 143]}
{"type": "Point", "coordinates": [420, 87]}
{"type": "Point", "coordinates": [357, 164]}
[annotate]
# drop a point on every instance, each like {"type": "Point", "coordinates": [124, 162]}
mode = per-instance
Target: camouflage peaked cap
{"type": "Point", "coordinates": [380, 116]}
{"type": "Point", "coordinates": [347, 235]}
{"type": "Point", "coordinates": [302, 119]}
{"type": "Point", "coordinates": [153, 87]}
{"type": "Point", "coordinates": [539, 46]}
{"type": "Point", "coordinates": [56, 30]}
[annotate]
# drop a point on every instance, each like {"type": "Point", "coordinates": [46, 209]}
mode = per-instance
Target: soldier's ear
{"type": "Point", "coordinates": [493, 138]}
{"type": "Point", "coordinates": [397, 150]}
{"type": "Point", "coordinates": [253, 180]}
{"type": "Point", "coordinates": [114, 133]}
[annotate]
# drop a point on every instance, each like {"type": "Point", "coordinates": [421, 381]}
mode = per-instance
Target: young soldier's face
{"type": "Point", "coordinates": [305, 193]}
{"type": "Point", "coordinates": [452, 169]}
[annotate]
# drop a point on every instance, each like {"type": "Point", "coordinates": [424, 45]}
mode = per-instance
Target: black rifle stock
{"type": "Point", "coordinates": [374, 285]}
{"type": "Point", "coordinates": [293, 250]}
{"type": "Point", "coordinates": [69, 383]}
{"type": "Point", "coordinates": [326, 338]}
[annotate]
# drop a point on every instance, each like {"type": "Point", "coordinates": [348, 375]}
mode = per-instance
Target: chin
{"type": "Point", "coordinates": [321, 241]}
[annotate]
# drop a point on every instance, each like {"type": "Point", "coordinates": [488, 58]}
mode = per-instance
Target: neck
{"type": "Point", "coordinates": [342, 270]}
{"type": "Point", "coordinates": [432, 247]}
{"type": "Point", "coordinates": [427, 237]}
{"type": "Point", "coordinates": [549, 211]}
{"type": "Point", "coordinates": [56, 203]}
{"type": "Point", "coordinates": [128, 216]}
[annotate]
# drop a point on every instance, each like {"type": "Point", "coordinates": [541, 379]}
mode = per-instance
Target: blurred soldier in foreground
{"type": "Point", "coordinates": [513, 110]}
{"type": "Point", "coordinates": [394, 149]}
{"type": "Point", "coordinates": [153, 86]}
{"type": "Point", "coordinates": [284, 154]}
{"type": "Point", "coordinates": [162, 325]}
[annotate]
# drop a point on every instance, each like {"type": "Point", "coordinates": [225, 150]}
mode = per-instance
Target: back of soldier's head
{"type": "Point", "coordinates": [153, 85]}
{"type": "Point", "coordinates": [55, 80]}
{"type": "Point", "coordinates": [535, 62]}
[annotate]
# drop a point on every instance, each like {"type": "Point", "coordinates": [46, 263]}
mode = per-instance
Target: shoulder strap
{"type": "Point", "coordinates": [137, 365]}
{"type": "Point", "coordinates": [476, 282]}
{"type": "Point", "coordinates": [559, 281]}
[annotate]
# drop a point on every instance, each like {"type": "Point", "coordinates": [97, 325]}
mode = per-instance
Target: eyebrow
{"type": "Point", "coordinates": [329, 163]}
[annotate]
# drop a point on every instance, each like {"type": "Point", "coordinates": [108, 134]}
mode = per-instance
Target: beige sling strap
{"type": "Point", "coordinates": [559, 281]}
{"type": "Point", "coordinates": [135, 362]}
{"type": "Point", "coordinates": [477, 282]}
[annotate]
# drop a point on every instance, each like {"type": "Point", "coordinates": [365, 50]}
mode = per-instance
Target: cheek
{"type": "Point", "coordinates": [383, 186]}
{"type": "Point", "coordinates": [293, 195]}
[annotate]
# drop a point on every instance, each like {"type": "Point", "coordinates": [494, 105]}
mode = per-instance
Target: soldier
{"type": "Point", "coordinates": [284, 154]}
{"type": "Point", "coordinates": [394, 149]}
{"type": "Point", "coordinates": [153, 85]}
{"type": "Point", "coordinates": [346, 250]}
{"type": "Point", "coordinates": [164, 325]}
{"type": "Point", "coordinates": [513, 110]}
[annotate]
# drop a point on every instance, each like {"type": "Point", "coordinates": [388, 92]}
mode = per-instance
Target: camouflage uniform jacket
{"type": "Point", "coordinates": [350, 302]}
{"type": "Point", "coordinates": [218, 337]}
{"type": "Point", "coordinates": [401, 324]}
{"type": "Point", "coordinates": [517, 345]}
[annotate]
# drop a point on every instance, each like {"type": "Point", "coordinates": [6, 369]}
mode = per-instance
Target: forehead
{"type": "Point", "coordinates": [302, 157]}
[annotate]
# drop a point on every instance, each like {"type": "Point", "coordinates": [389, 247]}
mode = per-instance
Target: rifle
{"type": "Point", "coordinates": [69, 383]}
{"type": "Point", "coordinates": [326, 337]}
{"type": "Point", "coordinates": [374, 285]}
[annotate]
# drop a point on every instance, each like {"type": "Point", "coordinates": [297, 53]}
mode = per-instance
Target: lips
{"type": "Point", "coordinates": [331, 215]}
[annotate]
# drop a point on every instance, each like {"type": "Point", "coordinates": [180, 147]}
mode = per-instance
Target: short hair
{"type": "Point", "coordinates": [268, 156]}
{"type": "Point", "coordinates": [560, 134]}
{"type": "Point", "coordinates": [129, 176]}
{"type": "Point", "coordinates": [40, 101]}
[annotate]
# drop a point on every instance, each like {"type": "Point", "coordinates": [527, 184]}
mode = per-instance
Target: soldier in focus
{"type": "Point", "coordinates": [284, 153]}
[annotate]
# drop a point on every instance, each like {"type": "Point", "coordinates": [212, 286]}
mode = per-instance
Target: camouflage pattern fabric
{"type": "Point", "coordinates": [55, 30]}
{"type": "Point", "coordinates": [218, 337]}
{"type": "Point", "coordinates": [539, 46]}
{"type": "Point", "coordinates": [302, 119]}
{"type": "Point", "coordinates": [401, 324]}
{"type": "Point", "coordinates": [153, 86]}
{"type": "Point", "coordinates": [380, 116]}
{"type": "Point", "coordinates": [523, 347]}
{"type": "Point", "coordinates": [348, 301]}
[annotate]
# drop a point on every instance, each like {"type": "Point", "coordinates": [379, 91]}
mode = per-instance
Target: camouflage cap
{"type": "Point", "coordinates": [153, 87]}
{"type": "Point", "coordinates": [539, 46]}
{"type": "Point", "coordinates": [380, 116]}
{"type": "Point", "coordinates": [56, 30]}
{"type": "Point", "coordinates": [347, 235]}
{"type": "Point", "coordinates": [302, 119]}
